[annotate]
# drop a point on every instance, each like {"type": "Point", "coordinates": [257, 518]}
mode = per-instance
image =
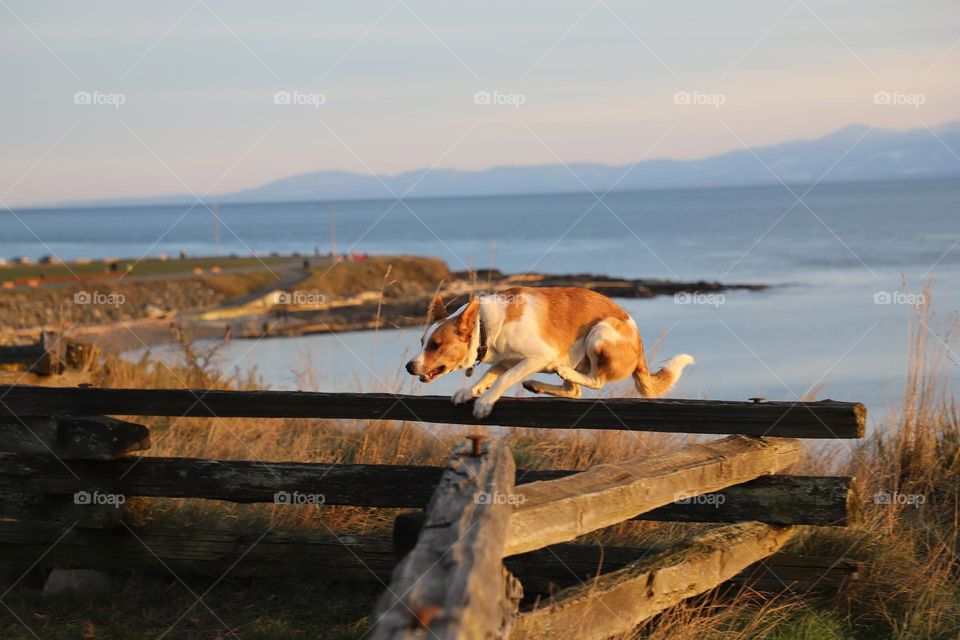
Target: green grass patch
{"type": "Point", "coordinates": [151, 267]}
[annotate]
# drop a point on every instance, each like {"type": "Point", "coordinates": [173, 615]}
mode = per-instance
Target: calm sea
{"type": "Point", "coordinates": [847, 260]}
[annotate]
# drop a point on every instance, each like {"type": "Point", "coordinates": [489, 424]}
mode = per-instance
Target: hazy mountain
{"type": "Point", "coordinates": [875, 154]}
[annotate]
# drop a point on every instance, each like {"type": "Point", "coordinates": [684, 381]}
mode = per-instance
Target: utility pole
{"type": "Point", "coordinates": [333, 230]}
{"type": "Point", "coordinates": [216, 226]}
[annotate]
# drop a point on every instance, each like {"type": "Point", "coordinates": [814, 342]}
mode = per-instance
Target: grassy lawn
{"type": "Point", "coordinates": [149, 267]}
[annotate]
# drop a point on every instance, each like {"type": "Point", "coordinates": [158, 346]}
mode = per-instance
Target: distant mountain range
{"type": "Point", "coordinates": [875, 154]}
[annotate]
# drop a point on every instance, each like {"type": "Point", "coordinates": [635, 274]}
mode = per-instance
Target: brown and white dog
{"type": "Point", "coordinates": [582, 336]}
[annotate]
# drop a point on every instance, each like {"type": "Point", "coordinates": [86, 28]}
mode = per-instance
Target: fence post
{"type": "Point", "coordinates": [453, 581]}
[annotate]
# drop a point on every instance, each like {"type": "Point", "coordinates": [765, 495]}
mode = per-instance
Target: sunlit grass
{"type": "Point", "coordinates": [909, 586]}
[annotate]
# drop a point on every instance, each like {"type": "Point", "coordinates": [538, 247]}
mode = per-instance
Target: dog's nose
{"type": "Point", "coordinates": [410, 367]}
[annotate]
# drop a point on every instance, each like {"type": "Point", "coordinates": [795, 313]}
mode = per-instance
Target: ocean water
{"type": "Point", "coordinates": [846, 259]}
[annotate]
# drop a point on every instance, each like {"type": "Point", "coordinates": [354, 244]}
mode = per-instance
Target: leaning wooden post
{"type": "Point", "coordinates": [453, 582]}
{"type": "Point", "coordinates": [560, 510]}
{"type": "Point", "coordinates": [616, 602]}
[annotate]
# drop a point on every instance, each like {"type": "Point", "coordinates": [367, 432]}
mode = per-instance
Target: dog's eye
{"type": "Point", "coordinates": [433, 346]}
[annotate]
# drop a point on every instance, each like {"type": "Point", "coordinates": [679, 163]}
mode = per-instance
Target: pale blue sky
{"type": "Point", "coordinates": [597, 80]}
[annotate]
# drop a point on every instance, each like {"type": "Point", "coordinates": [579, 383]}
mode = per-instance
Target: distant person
{"type": "Point", "coordinates": [183, 254]}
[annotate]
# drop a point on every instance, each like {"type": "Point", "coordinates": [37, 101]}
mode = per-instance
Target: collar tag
{"type": "Point", "coordinates": [469, 371]}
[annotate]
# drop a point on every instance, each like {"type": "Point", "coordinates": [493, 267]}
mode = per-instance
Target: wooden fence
{"type": "Point", "coordinates": [491, 536]}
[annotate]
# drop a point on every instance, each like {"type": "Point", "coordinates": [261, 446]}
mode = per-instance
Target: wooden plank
{"type": "Point", "coordinates": [453, 583]}
{"type": "Point", "coordinates": [212, 552]}
{"type": "Point", "coordinates": [72, 438]}
{"type": "Point", "coordinates": [67, 509]}
{"type": "Point", "coordinates": [824, 419]}
{"type": "Point", "coordinates": [44, 358]}
{"type": "Point", "coordinates": [778, 500]}
{"type": "Point", "coordinates": [789, 572]}
{"type": "Point", "coordinates": [617, 602]}
{"type": "Point", "coordinates": [195, 550]}
{"type": "Point", "coordinates": [546, 571]}
{"type": "Point", "coordinates": [553, 511]}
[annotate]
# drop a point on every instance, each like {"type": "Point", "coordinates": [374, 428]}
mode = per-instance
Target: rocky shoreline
{"type": "Point", "coordinates": [374, 313]}
{"type": "Point", "coordinates": [375, 293]}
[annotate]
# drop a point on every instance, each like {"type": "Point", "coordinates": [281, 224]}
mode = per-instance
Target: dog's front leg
{"type": "Point", "coordinates": [521, 371]}
{"type": "Point", "coordinates": [469, 393]}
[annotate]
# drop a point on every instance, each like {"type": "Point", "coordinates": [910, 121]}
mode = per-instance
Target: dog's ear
{"type": "Point", "coordinates": [436, 311]}
{"type": "Point", "coordinates": [468, 319]}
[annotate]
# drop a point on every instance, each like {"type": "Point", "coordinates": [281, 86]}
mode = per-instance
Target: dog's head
{"type": "Point", "coordinates": [446, 344]}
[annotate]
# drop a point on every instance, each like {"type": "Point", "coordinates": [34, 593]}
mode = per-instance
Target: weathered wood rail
{"type": "Point", "coordinates": [46, 357]}
{"type": "Point", "coordinates": [825, 419]}
{"type": "Point", "coordinates": [778, 500]}
{"type": "Point", "coordinates": [490, 534]}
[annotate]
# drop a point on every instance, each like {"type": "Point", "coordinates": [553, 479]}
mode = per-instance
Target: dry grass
{"type": "Point", "coordinates": [910, 586]}
{"type": "Point", "coordinates": [235, 285]}
{"type": "Point", "coordinates": [407, 274]}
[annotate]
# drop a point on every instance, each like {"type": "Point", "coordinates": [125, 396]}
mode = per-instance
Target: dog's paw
{"type": "Point", "coordinates": [462, 396]}
{"type": "Point", "coordinates": [530, 386]}
{"type": "Point", "coordinates": [482, 407]}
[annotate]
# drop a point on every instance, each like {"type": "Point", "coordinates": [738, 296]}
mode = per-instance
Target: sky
{"type": "Point", "coordinates": [107, 99]}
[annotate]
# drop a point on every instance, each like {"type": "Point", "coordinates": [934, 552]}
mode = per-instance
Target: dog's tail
{"type": "Point", "coordinates": [654, 385]}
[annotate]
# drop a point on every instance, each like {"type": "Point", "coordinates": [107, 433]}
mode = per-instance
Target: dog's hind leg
{"type": "Point", "coordinates": [566, 390]}
{"type": "Point", "coordinates": [612, 349]}
{"type": "Point", "coordinates": [589, 380]}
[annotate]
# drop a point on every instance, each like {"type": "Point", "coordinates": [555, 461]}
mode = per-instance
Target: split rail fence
{"type": "Point", "coordinates": [488, 537]}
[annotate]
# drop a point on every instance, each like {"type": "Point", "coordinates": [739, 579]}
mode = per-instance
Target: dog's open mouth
{"type": "Point", "coordinates": [430, 376]}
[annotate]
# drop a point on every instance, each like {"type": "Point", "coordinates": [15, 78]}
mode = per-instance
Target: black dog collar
{"type": "Point", "coordinates": [481, 348]}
